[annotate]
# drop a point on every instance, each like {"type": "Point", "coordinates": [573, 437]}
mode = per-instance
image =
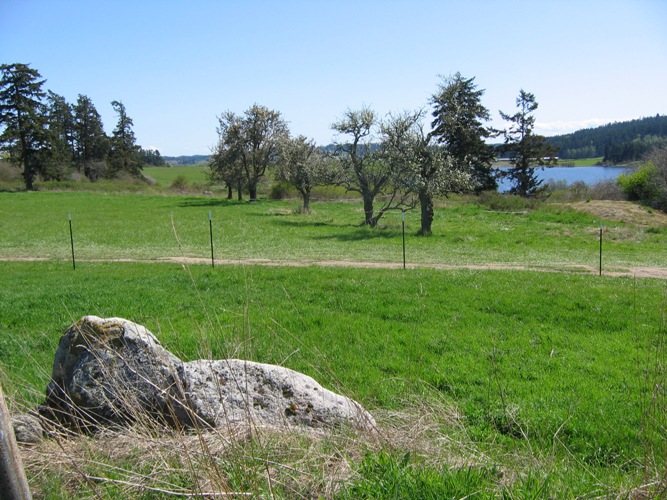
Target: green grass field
{"type": "Point", "coordinates": [165, 176]}
{"type": "Point", "coordinates": [555, 380]}
{"type": "Point", "coordinates": [582, 162]}
{"type": "Point", "coordinates": [146, 227]}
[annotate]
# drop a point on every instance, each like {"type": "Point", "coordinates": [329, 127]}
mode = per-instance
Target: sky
{"type": "Point", "coordinates": [178, 65]}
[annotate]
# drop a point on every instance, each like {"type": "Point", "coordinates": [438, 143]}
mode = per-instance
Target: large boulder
{"type": "Point", "coordinates": [113, 371]}
{"type": "Point", "coordinates": [110, 371]}
{"type": "Point", "coordinates": [236, 391]}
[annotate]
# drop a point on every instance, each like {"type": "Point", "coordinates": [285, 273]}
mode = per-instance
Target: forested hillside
{"type": "Point", "coordinates": [616, 142]}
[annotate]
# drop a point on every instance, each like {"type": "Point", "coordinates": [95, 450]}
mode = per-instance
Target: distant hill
{"type": "Point", "coordinates": [174, 161]}
{"type": "Point", "coordinates": [617, 142]}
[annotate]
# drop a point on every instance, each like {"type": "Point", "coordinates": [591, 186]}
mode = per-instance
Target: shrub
{"type": "Point", "coordinates": [281, 190]}
{"type": "Point", "coordinates": [9, 172]}
{"type": "Point", "coordinates": [180, 183]}
{"type": "Point", "coordinates": [640, 184]}
{"type": "Point", "coordinates": [506, 202]}
{"type": "Point", "coordinates": [606, 190]}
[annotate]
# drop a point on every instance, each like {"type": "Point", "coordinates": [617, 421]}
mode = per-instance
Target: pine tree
{"type": "Point", "coordinates": [91, 143]}
{"type": "Point", "coordinates": [525, 148]}
{"type": "Point", "coordinates": [22, 118]}
{"type": "Point", "coordinates": [60, 123]}
{"type": "Point", "coordinates": [458, 125]}
{"type": "Point", "coordinates": [124, 155]}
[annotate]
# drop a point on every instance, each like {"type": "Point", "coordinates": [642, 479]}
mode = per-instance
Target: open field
{"type": "Point", "coordinates": [567, 360]}
{"type": "Point", "coordinates": [489, 382]}
{"type": "Point", "coordinates": [582, 162]}
{"type": "Point", "coordinates": [165, 176]}
{"type": "Point", "coordinates": [144, 227]}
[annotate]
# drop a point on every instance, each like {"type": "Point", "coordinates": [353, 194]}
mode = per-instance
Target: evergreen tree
{"type": "Point", "coordinates": [525, 148]}
{"type": "Point", "coordinates": [458, 125]}
{"type": "Point", "coordinates": [124, 154]}
{"type": "Point", "coordinates": [91, 143]}
{"type": "Point", "coordinates": [60, 122]}
{"type": "Point", "coordinates": [151, 157]}
{"type": "Point", "coordinates": [22, 119]}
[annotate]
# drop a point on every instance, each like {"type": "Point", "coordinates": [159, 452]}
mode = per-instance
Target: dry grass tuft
{"type": "Point", "coordinates": [242, 460]}
{"type": "Point", "coordinates": [623, 211]}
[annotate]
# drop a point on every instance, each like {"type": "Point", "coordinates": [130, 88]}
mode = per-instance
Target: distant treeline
{"type": "Point", "coordinates": [615, 142]}
{"type": "Point", "coordinates": [186, 160]}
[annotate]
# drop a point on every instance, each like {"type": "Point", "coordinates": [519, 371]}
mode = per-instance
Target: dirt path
{"type": "Point", "coordinates": [636, 272]}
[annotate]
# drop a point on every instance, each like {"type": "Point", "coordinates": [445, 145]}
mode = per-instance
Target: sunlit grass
{"type": "Point", "coordinates": [549, 365]}
{"type": "Point", "coordinates": [165, 176]}
{"type": "Point", "coordinates": [133, 226]}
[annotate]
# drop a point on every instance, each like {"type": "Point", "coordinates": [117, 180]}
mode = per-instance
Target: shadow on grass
{"type": "Point", "coordinates": [200, 202]}
{"type": "Point", "coordinates": [360, 234]}
{"type": "Point", "coordinates": [306, 223]}
{"type": "Point", "coordinates": [353, 232]}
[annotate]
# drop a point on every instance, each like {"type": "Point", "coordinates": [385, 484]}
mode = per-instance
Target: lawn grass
{"type": "Point", "coordinates": [134, 226]}
{"type": "Point", "coordinates": [555, 368]}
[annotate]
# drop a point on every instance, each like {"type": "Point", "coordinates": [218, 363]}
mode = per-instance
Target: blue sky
{"type": "Point", "coordinates": [177, 65]}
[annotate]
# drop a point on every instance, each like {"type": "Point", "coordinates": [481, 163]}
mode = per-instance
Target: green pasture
{"type": "Point", "coordinates": [582, 162]}
{"type": "Point", "coordinates": [556, 378]}
{"type": "Point", "coordinates": [562, 365]}
{"type": "Point", "coordinates": [165, 176]}
{"type": "Point", "coordinates": [152, 227]}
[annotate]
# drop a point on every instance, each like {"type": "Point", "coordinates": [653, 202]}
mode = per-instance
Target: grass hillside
{"type": "Point", "coordinates": [485, 382]}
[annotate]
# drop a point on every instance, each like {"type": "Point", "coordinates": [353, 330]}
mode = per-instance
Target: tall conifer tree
{"type": "Point", "coordinates": [22, 118]}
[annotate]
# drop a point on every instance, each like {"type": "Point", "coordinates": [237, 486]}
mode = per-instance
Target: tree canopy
{"type": "Point", "coordinates": [458, 124]}
{"type": "Point", "coordinates": [362, 168]}
{"type": "Point", "coordinates": [304, 166]}
{"type": "Point", "coordinates": [22, 116]}
{"type": "Point", "coordinates": [524, 147]}
{"type": "Point", "coordinates": [247, 146]}
{"type": "Point", "coordinates": [48, 137]}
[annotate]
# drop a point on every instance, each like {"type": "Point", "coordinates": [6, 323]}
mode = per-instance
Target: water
{"type": "Point", "coordinates": [587, 175]}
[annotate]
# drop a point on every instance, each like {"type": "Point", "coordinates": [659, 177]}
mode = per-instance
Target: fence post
{"type": "Point", "coordinates": [600, 248]}
{"type": "Point", "coordinates": [71, 239]}
{"type": "Point", "coordinates": [13, 483]}
{"type": "Point", "coordinates": [403, 227]}
{"type": "Point", "coordinates": [210, 226]}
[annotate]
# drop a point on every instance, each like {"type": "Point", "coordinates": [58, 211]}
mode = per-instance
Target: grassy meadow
{"type": "Point", "coordinates": [165, 176]}
{"type": "Point", "coordinates": [485, 383]}
{"type": "Point", "coordinates": [154, 226]}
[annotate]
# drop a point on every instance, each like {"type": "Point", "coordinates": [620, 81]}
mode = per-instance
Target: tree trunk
{"type": "Point", "coordinates": [306, 202]}
{"type": "Point", "coordinates": [239, 191]}
{"type": "Point", "coordinates": [252, 191]}
{"type": "Point", "coordinates": [426, 203]}
{"type": "Point", "coordinates": [28, 176]}
{"type": "Point", "coordinates": [368, 210]}
{"type": "Point", "coordinates": [230, 192]}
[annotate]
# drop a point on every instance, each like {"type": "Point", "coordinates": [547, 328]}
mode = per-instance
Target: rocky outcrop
{"type": "Point", "coordinates": [113, 371]}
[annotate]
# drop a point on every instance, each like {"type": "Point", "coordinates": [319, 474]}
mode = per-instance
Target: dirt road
{"type": "Point", "coordinates": [636, 272]}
